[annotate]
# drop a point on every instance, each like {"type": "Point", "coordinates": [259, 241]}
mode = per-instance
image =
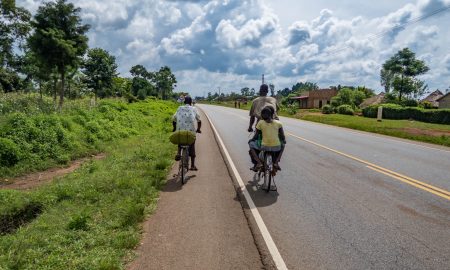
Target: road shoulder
{"type": "Point", "coordinates": [200, 225]}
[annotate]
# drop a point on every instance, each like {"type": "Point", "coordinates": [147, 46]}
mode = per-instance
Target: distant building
{"type": "Point", "coordinates": [375, 100]}
{"type": "Point", "coordinates": [433, 97]}
{"type": "Point", "coordinates": [315, 99]}
{"type": "Point", "coordinates": [444, 101]}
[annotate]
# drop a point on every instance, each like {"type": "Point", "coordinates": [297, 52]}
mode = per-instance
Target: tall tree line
{"type": "Point", "coordinates": [49, 53]}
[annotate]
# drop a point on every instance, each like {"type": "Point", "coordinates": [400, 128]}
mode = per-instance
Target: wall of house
{"type": "Point", "coordinates": [444, 103]}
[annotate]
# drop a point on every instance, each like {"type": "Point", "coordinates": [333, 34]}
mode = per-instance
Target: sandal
{"type": "Point", "coordinates": [277, 166]}
{"type": "Point", "coordinates": [259, 166]}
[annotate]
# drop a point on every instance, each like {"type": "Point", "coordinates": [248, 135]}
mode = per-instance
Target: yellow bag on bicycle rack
{"type": "Point", "coordinates": [182, 137]}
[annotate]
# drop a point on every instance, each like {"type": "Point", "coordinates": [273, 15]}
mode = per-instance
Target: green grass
{"type": "Point", "coordinates": [34, 138]}
{"type": "Point", "coordinates": [397, 128]}
{"type": "Point", "coordinates": [90, 219]}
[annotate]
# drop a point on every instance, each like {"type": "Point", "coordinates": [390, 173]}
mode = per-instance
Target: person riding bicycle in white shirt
{"type": "Point", "coordinates": [184, 119]}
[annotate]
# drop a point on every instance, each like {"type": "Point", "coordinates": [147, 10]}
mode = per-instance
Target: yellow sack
{"type": "Point", "coordinates": [183, 137]}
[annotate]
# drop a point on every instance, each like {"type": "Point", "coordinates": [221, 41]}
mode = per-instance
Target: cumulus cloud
{"type": "Point", "coordinates": [233, 42]}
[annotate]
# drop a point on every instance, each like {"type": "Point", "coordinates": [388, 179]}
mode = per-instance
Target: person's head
{"type": "Point", "coordinates": [263, 90]}
{"type": "Point", "coordinates": [267, 114]}
{"type": "Point", "coordinates": [188, 100]}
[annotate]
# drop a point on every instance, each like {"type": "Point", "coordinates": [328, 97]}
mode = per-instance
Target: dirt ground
{"type": "Point", "coordinates": [426, 132]}
{"type": "Point", "coordinates": [33, 180]}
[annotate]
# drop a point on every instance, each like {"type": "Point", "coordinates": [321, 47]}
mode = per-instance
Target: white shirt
{"type": "Point", "coordinates": [186, 117]}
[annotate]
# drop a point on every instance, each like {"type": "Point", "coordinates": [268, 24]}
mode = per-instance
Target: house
{"type": "Point", "coordinates": [315, 99]}
{"type": "Point", "coordinates": [433, 97]}
{"type": "Point", "coordinates": [444, 101]}
{"type": "Point", "coordinates": [375, 100]}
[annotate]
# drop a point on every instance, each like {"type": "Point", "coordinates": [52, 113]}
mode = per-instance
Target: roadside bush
{"type": "Point", "coordinates": [327, 109]}
{"type": "Point", "coordinates": [43, 140]}
{"type": "Point", "coordinates": [292, 109]}
{"type": "Point", "coordinates": [345, 109]}
{"type": "Point", "coordinates": [427, 105]}
{"type": "Point", "coordinates": [9, 153]}
{"type": "Point", "coordinates": [410, 103]}
{"type": "Point", "coordinates": [394, 111]}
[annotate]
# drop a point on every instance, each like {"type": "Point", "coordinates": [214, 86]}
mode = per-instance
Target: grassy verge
{"type": "Point", "coordinates": [413, 130]}
{"type": "Point", "coordinates": [90, 219]}
{"type": "Point", "coordinates": [33, 137]}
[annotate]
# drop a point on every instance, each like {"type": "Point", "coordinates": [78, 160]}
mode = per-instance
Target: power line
{"type": "Point", "coordinates": [385, 32]}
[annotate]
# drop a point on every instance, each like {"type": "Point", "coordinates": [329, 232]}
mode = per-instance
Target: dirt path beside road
{"type": "Point", "coordinates": [200, 225]}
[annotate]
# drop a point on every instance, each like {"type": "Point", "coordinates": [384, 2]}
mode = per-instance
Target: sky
{"type": "Point", "coordinates": [230, 44]}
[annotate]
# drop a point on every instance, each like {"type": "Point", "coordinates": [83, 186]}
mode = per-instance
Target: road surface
{"type": "Point", "coordinates": [348, 199]}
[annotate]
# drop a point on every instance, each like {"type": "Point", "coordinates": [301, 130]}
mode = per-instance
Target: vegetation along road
{"type": "Point", "coordinates": [349, 200]}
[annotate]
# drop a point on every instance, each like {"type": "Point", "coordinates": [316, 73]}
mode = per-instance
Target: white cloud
{"type": "Point", "coordinates": [230, 43]}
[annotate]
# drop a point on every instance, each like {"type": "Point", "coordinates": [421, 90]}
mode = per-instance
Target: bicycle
{"type": "Point", "coordinates": [268, 171]}
{"type": "Point", "coordinates": [183, 166]}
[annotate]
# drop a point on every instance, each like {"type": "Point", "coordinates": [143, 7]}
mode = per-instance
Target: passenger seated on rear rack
{"type": "Point", "coordinates": [273, 139]}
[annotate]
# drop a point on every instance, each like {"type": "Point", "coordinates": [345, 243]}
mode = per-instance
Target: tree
{"type": "Point", "coordinates": [165, 81]}
{"type": "Point", "coordinates": [386, 78]}
{"type": "Point", "coordinates": [59, 39]}
{"type": "Point", "coordinates": [100, 68]}
{"type": "Point", "coordinates": [122, 86]}
{"type": "Point", "coordinates": [141, 71]}
{"type": "Point", "coordinates": [245, 91]}
{"type": "Point", "coordinates": [141, 85]}
{"type": "Point", "coordinates": [14, 28]}
{"type": "Point", "coordinates": [348, 96]}
{"type": "Point", "coordinates": [401, 70]}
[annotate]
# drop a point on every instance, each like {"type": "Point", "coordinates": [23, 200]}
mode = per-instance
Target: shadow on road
{"type": "Point", "coordinates": [174, 184]}
{"type": "Point", "coordinates": [260, 197]}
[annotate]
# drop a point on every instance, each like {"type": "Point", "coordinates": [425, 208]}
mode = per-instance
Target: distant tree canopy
{"type": "Point", "coordinates": [59, 40]}
{"type": "Point", "coordinates": [49, 53]}
{"type": "Point", "coordinates": [158, 84]}
{"type": "Point", "coordinates": [100, 69]}
{"type": "Point", "coordinates": [14, 29]}
{"type": "Point", "coordinates": [351, 96]}
{"type": "Point", "coordinates": [400, 71]}
{"type": "Point", "coordinates": [298, 88]}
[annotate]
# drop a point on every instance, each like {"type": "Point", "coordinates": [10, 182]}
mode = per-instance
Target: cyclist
{"type": "Point", "coordinates": [271, 133]}
{"type": "Point", "coordinates": [184, 119]}
{"type": "Point", "coordinates": [260, 103]}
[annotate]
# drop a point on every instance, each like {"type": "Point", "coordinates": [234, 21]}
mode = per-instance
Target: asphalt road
{"type": "Point", "coordinates": [347, 199]}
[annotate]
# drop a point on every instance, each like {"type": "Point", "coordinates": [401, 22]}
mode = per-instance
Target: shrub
{"type": "Point", "coordinates": [78, 222]}
{"type": "Point", "coordinates": [427, 105]}
{"type": "Point", "coordinates": [345, 109]}
{"type": "Point", "coordinates": [292, 109]}
{"type": "Point", "coordinates": [410, 103]}
{"type": "Point", "coordinates": [394, 111]}
{"type": "Point", "coordinates": [9, 152]}
{"type": "Point", "coordinates": [327, 109]}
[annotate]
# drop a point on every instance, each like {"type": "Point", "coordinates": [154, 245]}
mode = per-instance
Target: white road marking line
{"type": "Point", "coordinates": [279, 262]}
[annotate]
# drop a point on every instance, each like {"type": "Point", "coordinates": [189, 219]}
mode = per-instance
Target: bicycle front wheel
{"type": "Point", "coordinates": [184, 165]}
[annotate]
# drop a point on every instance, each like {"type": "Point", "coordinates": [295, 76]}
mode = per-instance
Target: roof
{"type": "Point", "coordinates": [433, 96]}
{"type": "Point", "coordinates": [323, 93]}
{"type": "Point", "coordinates": [446, 95]}
{"type": "Point", "coordinates": [372, 100]}
{"type": "Point", "coordinates": [300, 97]}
